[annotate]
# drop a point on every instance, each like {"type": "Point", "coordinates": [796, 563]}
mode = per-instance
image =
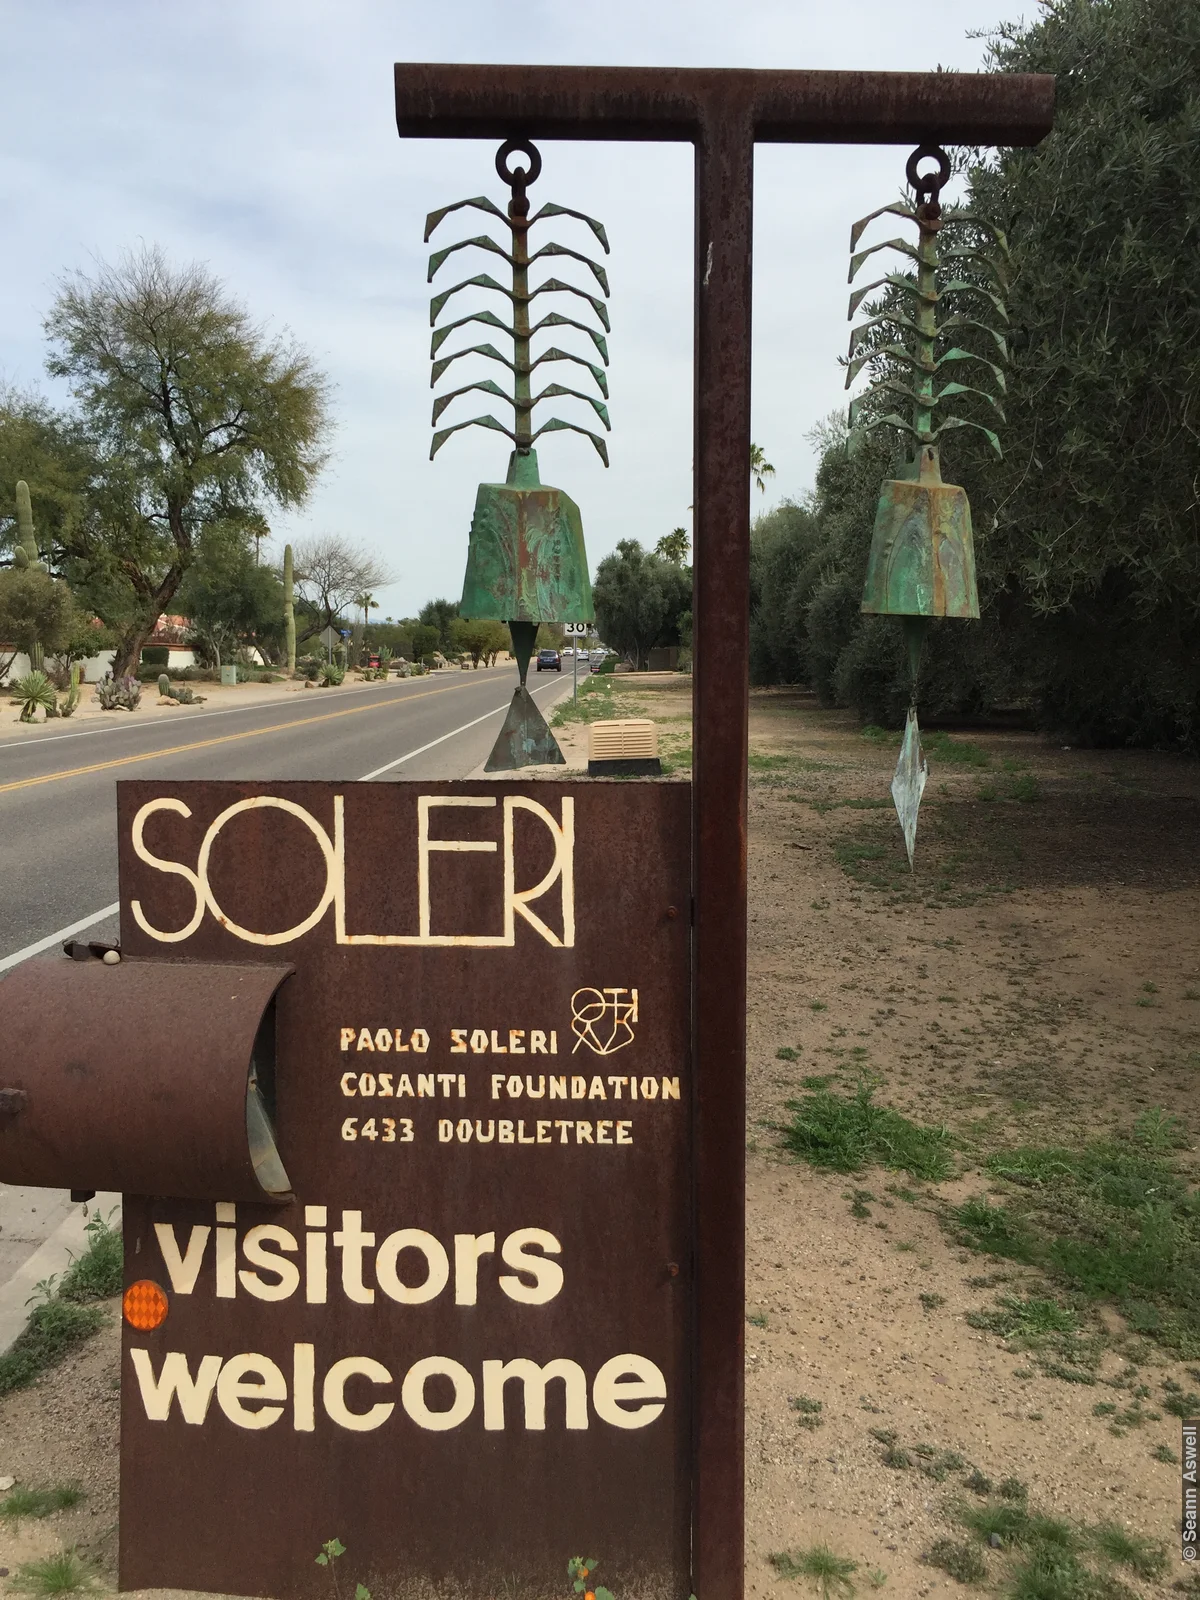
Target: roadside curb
{"type": "Point", "coordinates": [67, 1241]}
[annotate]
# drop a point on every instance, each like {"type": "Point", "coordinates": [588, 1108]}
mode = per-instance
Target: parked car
{"type": "Point", "coordinates": [549, 661]}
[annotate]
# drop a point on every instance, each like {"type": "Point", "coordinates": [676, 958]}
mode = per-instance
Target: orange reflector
{"type": "Point", "coordinates": [145, 1305]}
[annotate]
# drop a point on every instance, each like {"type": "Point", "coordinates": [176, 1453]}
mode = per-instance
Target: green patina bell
{"type": "Point", "coordinates": [526, 560]}
{"type": "Point", "coordinates": [922, 561]}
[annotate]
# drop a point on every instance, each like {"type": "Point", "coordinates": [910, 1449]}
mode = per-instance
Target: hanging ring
{"type": "Point", "coordinates": [521, 177]}
{"type": "Point", "coordinates": [927, 186]}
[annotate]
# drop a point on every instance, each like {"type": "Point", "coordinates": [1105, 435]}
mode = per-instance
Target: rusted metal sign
{"type": "Point", "coordinates": [463, 1348]}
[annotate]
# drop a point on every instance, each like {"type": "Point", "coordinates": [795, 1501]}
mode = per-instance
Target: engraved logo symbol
{"type": "Point", "coordinates": [603, 1019]}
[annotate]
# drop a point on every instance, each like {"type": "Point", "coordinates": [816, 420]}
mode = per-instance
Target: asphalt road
{"type": "Point", "coordinates": [58, 854]}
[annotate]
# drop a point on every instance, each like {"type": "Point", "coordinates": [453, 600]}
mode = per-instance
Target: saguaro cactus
{"type": "Point", "coordinates": [26, 555]}
{"type": "Point", "coordinates": [289, 612]}
{"type": "Point", "coordinates": [27, 538]}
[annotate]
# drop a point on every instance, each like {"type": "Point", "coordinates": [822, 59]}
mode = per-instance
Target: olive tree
{"type": "Point", "coordinates": [198, 421]}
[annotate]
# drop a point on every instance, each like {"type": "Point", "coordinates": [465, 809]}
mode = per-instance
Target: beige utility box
{"type": "Point", "coordinates": [624, 749]}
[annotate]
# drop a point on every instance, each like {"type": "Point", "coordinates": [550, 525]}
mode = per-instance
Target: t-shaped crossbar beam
{"type": "Point", "coordinates": [724, 113]}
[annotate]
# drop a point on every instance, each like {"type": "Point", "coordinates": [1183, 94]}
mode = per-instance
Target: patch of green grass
{"type": "Point", "coordinates": [786, 1053]}
{"type": "Point", "coordinates": [817, 1005]}
{"type": "Point", "coordinates": [1052, 1574]}
{"type": "Point", "coordinates": [1019, 1527]}
{"type": "Point", "coordinates": [1030, 1316]}
{"type": "Point", "coordinates": [1159, 1131]}
{"type": "Point", "coordinates": [931, 1302]}
{"type": "Point", "coordinates": [809, 1410]}
{"type": "Point", "coordinates": [1012, 1489]}
{"type": "Point", "coordinates": [63, 1573]}
{"type": "Point", "coordinates": [1026, 788]}
{"type": "Point", "coordinates": [1145, 1558]}
{"type": "Point", "coordinates": [938, 1464]}
{"type": "Point", "coordinates": [23, 1501]}
{"type": "Point", "coordinates": [1113, 1221]}
{"type": "Point", "coordinates": [859, 1198]}
{"type": "Point", "coordinates": [939, 744]}
{"type": "Point", "coordinates": [1180, 1404]}
{"type": "Point", "coordinates": [846, 1133]}
{"type": "Point", "coordinates": [977, 1483]}
{"type": "Point", "coordinates": [994, 1230]}
{"type": "Point", "coordinates": [959, 1559]}
{"type": "Point", "coordinates": [596, 703]}
{"type": "Point", "coordinates": [829, 1573]}
{"type": "Point", "coordinates": [678, 759]}
{"type": "Point", "coordinates": [1163, 1452]}
{"type": "Point", "coordinates": [757, 1319]}
{"type": "Point", "coordinates": [897, 1458]}
{"type": "Point", "coordinates": [1052, 1332]}
{"type": "Point", "coordinates": [54, 1327]}
{"type": "Point", "coordinates": [1051, 1564]}
{"type": "Point", "coordinates": [816, 1082]}
{"type": "Point", "coordinates": [867, 862]}
{"type": "Point", "coordinates": [97, 1273]}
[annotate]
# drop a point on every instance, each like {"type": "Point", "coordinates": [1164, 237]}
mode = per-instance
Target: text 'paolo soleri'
{"type": "Point", "coordinates": [437, 1393]}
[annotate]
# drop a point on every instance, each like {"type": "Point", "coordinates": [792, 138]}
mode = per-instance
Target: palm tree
{"type": "Point", "coordinates": [760, 468]}
{"type": "Point", "coordinates": [258, 529]}
{"type": "Point", "coordinates": [368, 603]}
{"type": "Point", "coordinates": [673, 546]}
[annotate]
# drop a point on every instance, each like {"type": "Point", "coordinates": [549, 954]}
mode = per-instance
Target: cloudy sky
{"type": "Point", "coordinates": [259, 137]}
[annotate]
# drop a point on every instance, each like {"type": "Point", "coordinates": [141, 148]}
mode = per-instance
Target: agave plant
{"type": "Point", "coordinates": [35, 691]}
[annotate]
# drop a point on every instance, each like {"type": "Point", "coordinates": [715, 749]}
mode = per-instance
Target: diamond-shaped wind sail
{"type": "Point", "coordinates": [908, 782]}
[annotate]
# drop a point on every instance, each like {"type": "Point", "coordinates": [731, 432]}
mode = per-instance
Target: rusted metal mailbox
{"type": "Point", "coordinates": [153, 1077]}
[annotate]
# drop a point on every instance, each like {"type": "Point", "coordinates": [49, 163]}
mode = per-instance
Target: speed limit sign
{"type": "Point", "coordinates": [577, 630]}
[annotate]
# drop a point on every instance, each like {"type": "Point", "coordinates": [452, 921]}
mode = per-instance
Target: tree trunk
{"type": "Point", "coordinates": [129, 651]}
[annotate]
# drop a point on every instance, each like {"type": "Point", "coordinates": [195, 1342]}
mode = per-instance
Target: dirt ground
{"type": "Point", "coordinates": [1036, 979]}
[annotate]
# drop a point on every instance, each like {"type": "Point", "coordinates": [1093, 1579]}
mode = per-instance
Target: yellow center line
{"type": "Point", "coordinates": [224, 738]}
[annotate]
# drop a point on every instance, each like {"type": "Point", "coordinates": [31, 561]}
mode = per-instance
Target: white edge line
{"type": "Point", "coordinates": [454, 732]}
{"type": "Point", "coordinates": [199, 716]}
{"type": "Point", "coordinates": [52, 939]}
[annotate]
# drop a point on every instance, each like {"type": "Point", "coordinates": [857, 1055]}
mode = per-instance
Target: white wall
{"type": "Point", "coordinates": [94, 667]}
